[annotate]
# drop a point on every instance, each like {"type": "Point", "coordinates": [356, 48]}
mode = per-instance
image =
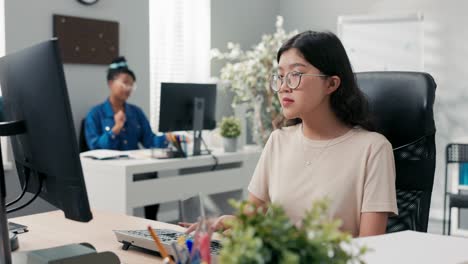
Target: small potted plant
{"type": "Point", "coordinates": [230, 131]}
{"type": "Point", "coordinates": [258, 237]}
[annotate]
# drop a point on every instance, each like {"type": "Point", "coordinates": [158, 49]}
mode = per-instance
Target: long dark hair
{"type": "Point", "coordinates": [326, 52]}
{"type": "Point", "coordinates": [119, 65]}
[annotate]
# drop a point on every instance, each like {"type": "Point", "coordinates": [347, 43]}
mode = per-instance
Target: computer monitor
{"type": "Point", "coordinates": [46, 154]}
{"type": "Point", "coordinates": [187, 106]}
{"type": "Point", "coordinates": [34, 92]}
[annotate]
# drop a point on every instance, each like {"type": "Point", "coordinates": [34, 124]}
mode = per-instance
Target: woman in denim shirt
{"type": "Point", "coordinates": [116, 124]}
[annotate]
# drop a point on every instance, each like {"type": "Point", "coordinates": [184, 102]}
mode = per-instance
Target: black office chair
{"type": "Point", "coordinates": [454, 153]}
{"type": "Point", "coordinates": [82, 139]}
{"type": "Point", "coordinates": [401, 106]}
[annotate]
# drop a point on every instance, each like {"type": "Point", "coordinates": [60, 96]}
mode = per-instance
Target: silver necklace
{"type": "Point", "coordinates": [309, 162]}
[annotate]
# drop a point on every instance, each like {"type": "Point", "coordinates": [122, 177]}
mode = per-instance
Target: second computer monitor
{"type": "Point", "coordinates": [177, 106]}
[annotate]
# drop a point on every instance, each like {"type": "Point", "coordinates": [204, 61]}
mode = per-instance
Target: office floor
{"type": "Point", "coordinates": [215, 205]}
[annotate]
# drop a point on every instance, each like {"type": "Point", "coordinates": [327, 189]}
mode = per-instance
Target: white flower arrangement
{"type": "Point", "coordinates": [248, 74]}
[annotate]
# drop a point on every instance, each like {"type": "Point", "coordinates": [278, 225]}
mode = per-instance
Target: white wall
{"type": "Point", "coordinates": [29, 22]}
{"type": "Point", "coordinates": [445, 55]}
{"type": "Point", "coordinates": [240, 21]}
{"type": "Point", "coordinates": [243, 22]}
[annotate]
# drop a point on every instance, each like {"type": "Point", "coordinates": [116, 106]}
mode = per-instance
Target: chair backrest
{"type": "Point", "coordinates": [82, 140]}
{"type": "Point", "coordinates": [401, 106]}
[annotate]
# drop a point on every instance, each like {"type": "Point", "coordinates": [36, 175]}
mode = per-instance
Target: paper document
{"type": "Point", "coordinates": [104, 154]}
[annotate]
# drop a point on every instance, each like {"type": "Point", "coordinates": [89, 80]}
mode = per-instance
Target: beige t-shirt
{"type": "Point", "coordinates": [356, 171]}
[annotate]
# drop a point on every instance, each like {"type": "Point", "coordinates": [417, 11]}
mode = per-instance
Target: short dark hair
{"type": "Point", "coordinates": [119, 65]}
{"type": "Point", "coordinates": [326, 53]}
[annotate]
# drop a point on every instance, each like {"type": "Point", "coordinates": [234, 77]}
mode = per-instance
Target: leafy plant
{"type": "Point", "coordinates": [230, 127]}
{"type": "Point", "coordinates": [248, 74]}
{"type": "Point", "coordinates": [258, 237]}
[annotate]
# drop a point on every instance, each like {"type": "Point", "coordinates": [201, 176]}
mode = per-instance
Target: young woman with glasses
{"type": "Point", "coordinates": [325, 147]}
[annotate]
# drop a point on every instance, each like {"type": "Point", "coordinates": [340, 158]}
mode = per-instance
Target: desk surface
{"type": "Point", "coordinates": [52, 229]}
{"type": "Point", "coordinates": [415, 247]}
{"type": "Point", "coordinates": [143, 157]}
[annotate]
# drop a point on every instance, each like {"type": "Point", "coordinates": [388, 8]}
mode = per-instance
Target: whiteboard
{"type": "Point", "coordinates": [383, 43]}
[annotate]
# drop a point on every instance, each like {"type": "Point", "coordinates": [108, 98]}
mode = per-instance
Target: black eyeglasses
{"type": "Point", "coordinates": [293, 79]}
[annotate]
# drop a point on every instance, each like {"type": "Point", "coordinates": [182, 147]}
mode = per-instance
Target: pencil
{"type": "Point", "coordinates": [171, 137]}
{"type": "Point", "coordinates": [177, 145]}
{"type": "Point", "coordinates": [159, 245]}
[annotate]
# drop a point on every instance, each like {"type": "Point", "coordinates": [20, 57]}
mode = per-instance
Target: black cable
{"type": "Point", "coordinates": [25, 187]}
{"type": "Point", "coordinates": [205, 145]}
{"type": "Point", "coordinates": [30, 201]}
{"type": "Point", "coordinates": [216, 160]}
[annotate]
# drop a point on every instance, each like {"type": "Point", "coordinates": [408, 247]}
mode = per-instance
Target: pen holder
{"type": "Point", "coordinates": [202, 240]}
{"type": "Point", "coordinates": [175, 154]}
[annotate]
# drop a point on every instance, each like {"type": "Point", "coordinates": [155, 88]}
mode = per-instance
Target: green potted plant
{"type": "Point", "coordinates": [257, 237]}
{"type": "Point", "coordinates": [230, 131]}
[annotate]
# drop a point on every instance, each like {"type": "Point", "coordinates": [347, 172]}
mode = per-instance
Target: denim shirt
{"type": "Point", "coordinates": [100, 121]}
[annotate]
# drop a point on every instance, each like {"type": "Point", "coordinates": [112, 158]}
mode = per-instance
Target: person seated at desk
{"type": "Point", "coordinates": [326, 148]}
{"type": "Point", "coordinates": [118, 125]}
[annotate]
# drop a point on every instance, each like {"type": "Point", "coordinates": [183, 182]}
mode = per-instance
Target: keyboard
{"type": "Point", "coordinates": [143, 239]}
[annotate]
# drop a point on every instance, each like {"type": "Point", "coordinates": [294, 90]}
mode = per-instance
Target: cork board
{"type": "Point", "coordinates": [86, 41]}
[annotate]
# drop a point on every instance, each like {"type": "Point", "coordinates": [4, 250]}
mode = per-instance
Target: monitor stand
{"type": "Point", "coordinates": [13, 241]}
{"type": "Point", "coordinates": [198, 116]}
{"type": "Point", "coordinates": [7, 129]}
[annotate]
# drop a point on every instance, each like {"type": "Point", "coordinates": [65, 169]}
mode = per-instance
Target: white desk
{"type": "Point", "coordinates": [415, 247]}
{"type": "Point", "coordinates": [111, 186]}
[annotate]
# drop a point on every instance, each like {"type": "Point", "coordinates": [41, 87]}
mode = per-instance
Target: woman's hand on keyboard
{"type": "Point", "coordinates": [220, 224]}
{"type": "Point", "coordinates": [190, 226]}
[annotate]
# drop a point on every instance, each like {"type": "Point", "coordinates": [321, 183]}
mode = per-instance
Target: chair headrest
{"type": "Point", "coordinates": [401, 104]}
